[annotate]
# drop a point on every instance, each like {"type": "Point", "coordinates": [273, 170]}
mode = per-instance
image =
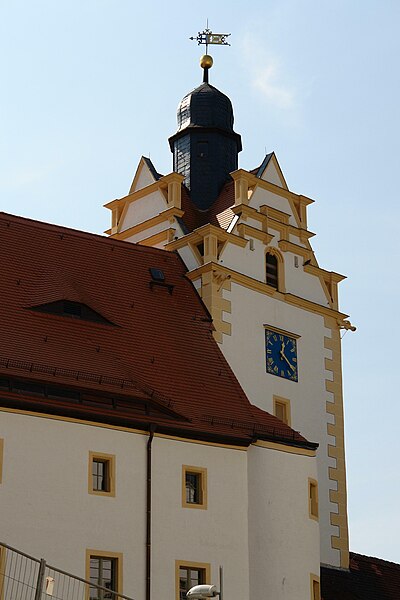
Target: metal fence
{"type": "Point", "coordinates": [24, 577]}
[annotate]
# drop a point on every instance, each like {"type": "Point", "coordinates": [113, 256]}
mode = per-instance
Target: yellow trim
{"type": "Point", "coordinates": [167, 235]}
{"type": "Point", "coordinates": [274, 214]}
{"type": "Point", "coordinates": [203, 485]}
{"type": "Point", "coordinates": [110, 460]}
{"type": "Point", "coordinates": [337, 451]}
{"type": "Point", "coordinates": [262, 287]}
{"type": "Point", "coordinates": [198, 235]}
{"type": "Point", "coordinates": [1, 459]}
{"type": "Point", "coordinates": [283, 448]}
{"type": "Point", "coordinates": [142, 164]}
{"type": "Point", "coordinates": [106, 554]}
{"type": "Point", "coordinates": [287, 246]}
{"type": "Point", "coordinates": [286, 403]}
{"type": "Point", "coordinates": [315, 594]}
{"type": "Point", "coordinates": [191, 565]}
{"type": "Point", "coordinates": [244, 229]}
{"type": "Point", "coordinates": [313, 507]}
{"type": "Point", "coordinates": [121, 428]}
{"type": "Point", "coordinates": [167, 214]}
{"type": "Point", "coordinates": [282, 331]}
{"type": "Point", "coordinates": [329, 281]}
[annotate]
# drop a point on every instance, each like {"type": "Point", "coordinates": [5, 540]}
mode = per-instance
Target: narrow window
{"type": "Point", "coordinates": [271, 270]}
{"type": "Point", "coordinates": [315, 588]}
{"type": "Point", "coordinates": [282, 409]}
{"type": "Point", "coordinates": [194, 487]}
{"type": "Point", "coordinates": [313, 499]}
{"type": "Point", "coordinates": [101, 474]}
{"type": "Point", "coordinates": [188, 575]}
{"type": "Point", "coordinates": [104, 571]}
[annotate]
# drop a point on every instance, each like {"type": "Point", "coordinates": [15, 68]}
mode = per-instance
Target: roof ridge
{"type": "Point", "coordinates": [28, 222]}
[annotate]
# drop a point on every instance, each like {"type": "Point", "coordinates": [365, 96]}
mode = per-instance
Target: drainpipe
{"type": "Point", "coordinates": [148, 512]}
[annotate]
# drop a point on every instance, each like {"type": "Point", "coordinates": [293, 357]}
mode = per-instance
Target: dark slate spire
{"type": "Point", "coordinates": [205, 147]}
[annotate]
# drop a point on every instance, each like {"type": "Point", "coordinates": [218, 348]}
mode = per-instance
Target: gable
{"type": "Point", "coordinates": [145, 175]}
{"type": "Point", "coordinates": [271, 171]}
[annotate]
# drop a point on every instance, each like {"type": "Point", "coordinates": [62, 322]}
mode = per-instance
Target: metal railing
{"type": "Point", "coordinates": [24, 577]}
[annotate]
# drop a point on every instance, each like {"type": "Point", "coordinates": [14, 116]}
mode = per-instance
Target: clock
{"type": "Point", "coordinates": [281, 355]}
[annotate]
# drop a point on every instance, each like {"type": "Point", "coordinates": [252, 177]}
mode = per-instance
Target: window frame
{"type": "Point", "coordinates": [280, 269]}
{"type": "Point", "coordinates": [286, 403]}
{"type": "Point", "coordinates": [202, 473]}
{"type": "Point", "coordinates": [110, 460]}
{"type": "Point", "coordinates": [186, 564]}
{"type": "Point", "coordinates": [105, 554]}
{"type": "Point", "coordinates": [313, 485]}
{"type": "Point", "coordinates": [314, 579]}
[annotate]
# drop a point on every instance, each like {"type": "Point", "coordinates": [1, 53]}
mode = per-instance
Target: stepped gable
{"type": "Point", "coordinates": [368, 578]}
{"type": "Point", "coordinates": [156, 348]}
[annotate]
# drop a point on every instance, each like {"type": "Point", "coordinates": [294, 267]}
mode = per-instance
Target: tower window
{"type": "Point", "coordinates": [271, 268]}
{"type": "Point", "coordinates": [101, 474]}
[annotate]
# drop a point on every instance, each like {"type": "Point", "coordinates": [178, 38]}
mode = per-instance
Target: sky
{"type": "Point", "coordinates": [91, 85]}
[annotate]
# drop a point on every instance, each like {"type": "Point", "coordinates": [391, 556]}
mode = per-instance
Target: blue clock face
{"type": "Point", "coordinates": [281, 352]}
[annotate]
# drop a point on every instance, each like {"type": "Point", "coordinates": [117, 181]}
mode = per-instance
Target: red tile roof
{"type": "Point", "coordinates": [367, 579]}
{"type": "Point", "coordinates": [219, 213]}
{"type": "Point", "coordinates": [159, 349]}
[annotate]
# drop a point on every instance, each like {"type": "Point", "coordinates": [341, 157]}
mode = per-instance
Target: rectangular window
{"type": "Point", "coordinates": [194, 487]}
{"type": "Point", "coordinates": [313, 499]}
{"type": "Point", "coordinates": [315, 587]}
{"type": "Point", "coordinates": [189, 574]}
{"type": "Point", "coordinates": [103, 569]}
{"type": "Point", "coordinates": [282, 409]}
{"type": "Point", "coordinates": [101, 474]}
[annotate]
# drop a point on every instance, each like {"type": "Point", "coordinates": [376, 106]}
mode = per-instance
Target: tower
{"type": "Point", "coordinates": [244, 238]}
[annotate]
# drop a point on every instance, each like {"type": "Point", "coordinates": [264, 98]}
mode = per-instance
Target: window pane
{"type": "Point", "coordinates": [193, 488]}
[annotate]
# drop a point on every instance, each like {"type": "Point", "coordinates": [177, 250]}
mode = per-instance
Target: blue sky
{"type": "Point", "coordinates": [90, 86]}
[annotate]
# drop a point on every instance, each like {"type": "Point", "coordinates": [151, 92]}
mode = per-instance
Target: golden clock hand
{"type": "Point", "coordinates": [288, 362]}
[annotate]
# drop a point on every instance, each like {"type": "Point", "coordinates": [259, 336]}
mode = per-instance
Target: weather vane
{"type": "Point", "coordinates": [207, 37]}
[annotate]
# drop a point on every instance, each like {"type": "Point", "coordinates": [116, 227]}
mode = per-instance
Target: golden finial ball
{"type": "Point", "coordinates": [206, 61]}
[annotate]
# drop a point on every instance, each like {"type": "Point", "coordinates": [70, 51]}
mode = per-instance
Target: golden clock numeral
{"type": "Point", "coordinates": [282, 373]}
{"type": "Point", "coordinates": [269, 351]}
{"type": "Point", "coordinates": [294, 359]}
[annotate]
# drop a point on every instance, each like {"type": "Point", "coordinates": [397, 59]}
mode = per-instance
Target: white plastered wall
{"type": "Point", "coordinates": [245, 352]}
{"type": "Point", "coordinates": [283, 540]}
{"type": "Point", "coordinates": [143, 209]}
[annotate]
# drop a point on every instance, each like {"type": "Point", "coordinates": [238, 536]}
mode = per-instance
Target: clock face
{"type": "Point", "coordinates": [281, 352]}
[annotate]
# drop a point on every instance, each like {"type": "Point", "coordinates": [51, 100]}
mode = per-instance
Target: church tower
{"type": "Point", "coordinates": [244, 238]}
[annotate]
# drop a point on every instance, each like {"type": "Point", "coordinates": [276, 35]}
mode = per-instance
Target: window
{"type": "Point", "coordinates": [194, 487]}
{"type": "Point", "coordinates": [271, 267]}
{"type": "Point", "coordinates": [103, 569]}
{"type": "Point", "coordinates": [313, 499]}
{"type": "Point", "coordinates": [189, 574]}
{"type": "Point", "coordinates": [315, 587]}
{"type": "Point", "coordinates": [101, 474]}
{"type": "Point", "coordinates": [282, 409]}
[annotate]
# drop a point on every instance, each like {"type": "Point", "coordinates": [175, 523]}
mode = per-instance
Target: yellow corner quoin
{"type": "Point", "coordinates": [108, 461]}
{"type": "Point", "coordinates": [336, 430]}
{"type": "Point", "coordinates": [201, 474]}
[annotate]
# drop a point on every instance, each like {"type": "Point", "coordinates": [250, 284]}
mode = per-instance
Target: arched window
{"type": "Point", "coordinates": [271, 270]}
